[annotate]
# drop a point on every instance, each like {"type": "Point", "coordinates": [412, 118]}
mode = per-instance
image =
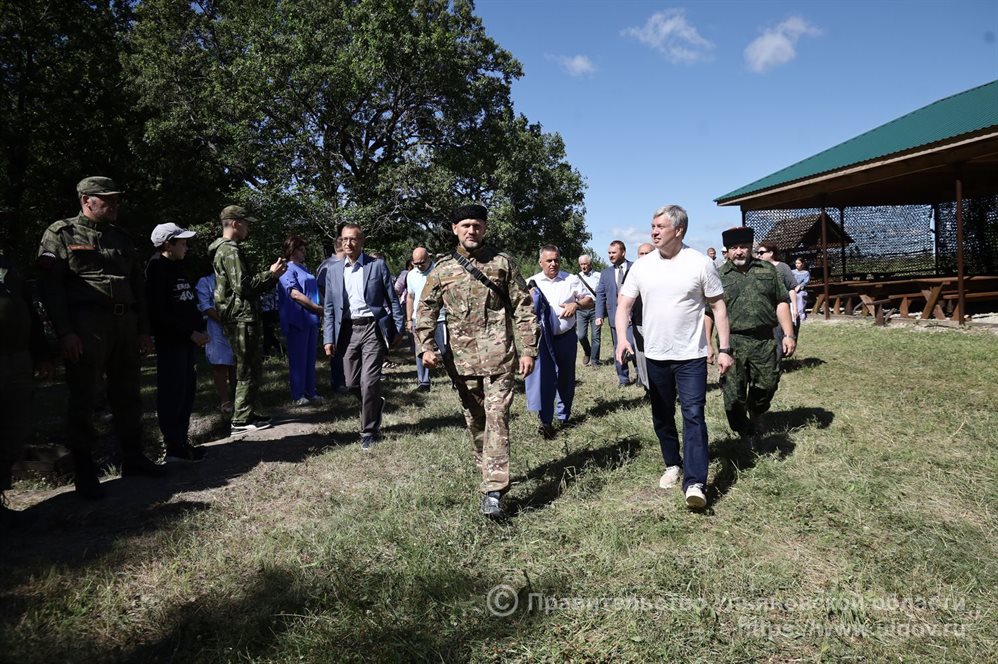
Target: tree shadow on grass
{"type": "Point", "coordinates": [351, 613]}
{"type": "Point", "coordinates": [555, 476]}
{"type": "Point", "coordinates": [75, 532]}
{"type": "Point", "coordinates": [736, 455]}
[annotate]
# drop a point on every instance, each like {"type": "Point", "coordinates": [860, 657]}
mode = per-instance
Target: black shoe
{"type": "Point", "coordinates": [260, 420]}
{"type": "Point", "coordinates": [422, 388]}
{"type": "Point", "coordinates": [85, 477]}
{"type": "Point", "coordinates": [136, 465]}
{"type": "Point", "coordinates": [185, 452]}
{"type": "Point", "coordinates": [490, 506]}
{"type": "Point", "coordinates": [547, 431]}
{"type": "Point", "coordinates": [368, 442]}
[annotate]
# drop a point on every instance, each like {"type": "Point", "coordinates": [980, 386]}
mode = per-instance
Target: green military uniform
{"type": "Point", "coordinates": [237, 293]}
{"type": "Point", "coordinates": [22, 342]}
{"type": "Point", "coordinates": [92, 286]}
{"type": "Point", "coordinates": [751, 298]}
{"type": "Point", "coordinates": [483, 343]}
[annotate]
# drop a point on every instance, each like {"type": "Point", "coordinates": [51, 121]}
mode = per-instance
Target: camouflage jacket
{"type": "Point", "coordinates": [482, 336]}
{"type": "Point", "coordinates": [20, 327]}
{"type": "Point", "coordinates": [237, 286]}
{"type": "Point", "coordinates": [751, 296]}
{"type": "Point", "coordinates": [85, 264]}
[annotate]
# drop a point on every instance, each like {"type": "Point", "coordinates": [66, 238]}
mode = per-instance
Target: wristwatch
{"type": "Point", "coordinates": [726, 351]}
{"type": "Point", "coordinates": [791, 336]}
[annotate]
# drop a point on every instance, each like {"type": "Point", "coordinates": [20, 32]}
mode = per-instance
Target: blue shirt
{"type": "Point", "coordinates": [293, 314]}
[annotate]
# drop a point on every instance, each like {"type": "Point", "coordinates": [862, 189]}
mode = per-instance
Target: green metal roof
{"type": "Point", "coordinates": [963, 113]}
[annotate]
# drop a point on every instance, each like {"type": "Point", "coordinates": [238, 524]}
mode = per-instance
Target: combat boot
{"type": "Point", "coordinates": [490, 505]}
{"type": "Point", "coordinates": [85, 476]}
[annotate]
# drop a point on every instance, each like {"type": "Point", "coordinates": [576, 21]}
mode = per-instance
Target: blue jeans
{"type": "Point", "coordinates": [585, 329]}
{"type": "Point", "coordinates": [439, 336]}
{"type": "Point", "coordinates": [688, 379]}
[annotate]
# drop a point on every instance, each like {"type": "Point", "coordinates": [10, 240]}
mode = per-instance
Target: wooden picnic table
{"type": "Point", "coordinates": [873, 295]}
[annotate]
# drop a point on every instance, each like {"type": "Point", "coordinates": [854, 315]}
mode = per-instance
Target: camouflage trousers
{"type": "Point", "coordinates": [750, 384]}
{"type": "Point", "coordinates": [15, 409]}
{"type": "Point", "coordinates": [486, 401]}
{"type": "Point", "coordinates": [247, 346]}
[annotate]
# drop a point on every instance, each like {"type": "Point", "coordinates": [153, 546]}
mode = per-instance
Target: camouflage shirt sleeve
{"type": "Point", "coordinates": [52, 264]}
{"type": "Point", "coordinates": [525, 325]}
{"type": "Point", "coordinates": [428, 306]}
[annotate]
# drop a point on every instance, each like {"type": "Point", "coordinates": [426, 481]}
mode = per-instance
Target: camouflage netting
{"type": "Point", "coordinates": [885, 241]}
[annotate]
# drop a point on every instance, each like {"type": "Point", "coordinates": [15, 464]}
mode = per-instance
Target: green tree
{"type": "Point", "coordinates": [386, 113]}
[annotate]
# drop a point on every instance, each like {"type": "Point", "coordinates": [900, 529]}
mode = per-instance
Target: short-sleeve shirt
{"type": "Point", "coordinates": [674, 293]}
{"type": "Point", "coordinates": [564, 289]}
{"type": "Point", "coordinates": [415, 280]}
{"type": "Point", "coordinates": [293, 314]}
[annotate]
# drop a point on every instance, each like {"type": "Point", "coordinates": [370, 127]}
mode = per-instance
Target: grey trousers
{"type": "Point", "coordinates": [362, 359]}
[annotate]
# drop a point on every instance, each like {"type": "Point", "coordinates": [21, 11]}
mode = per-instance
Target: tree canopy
{"type": "Point", "coordinates": [387, 113]}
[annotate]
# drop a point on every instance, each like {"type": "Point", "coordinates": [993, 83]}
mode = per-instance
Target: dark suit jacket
{"type": "Point", "coordinates": [606, 292]}
{"type": "Point", "coordinates": [379, 293]}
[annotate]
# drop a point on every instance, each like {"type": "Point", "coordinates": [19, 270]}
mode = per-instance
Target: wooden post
{"type": "Point", "coordinates": [959, 248]}
{"type": "Point", "coordinates": [824, 258]}
{"type": "Point", "coordinates": [842, 239]}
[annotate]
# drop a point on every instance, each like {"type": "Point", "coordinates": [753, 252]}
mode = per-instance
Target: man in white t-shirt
{"type": "Point", "coordinates": [557, 297]}
{"type": "Point", "coordinates": [675, 284]}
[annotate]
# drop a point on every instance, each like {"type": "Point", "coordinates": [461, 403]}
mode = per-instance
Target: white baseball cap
{"type": "Point", "coordinates": [166, 232]}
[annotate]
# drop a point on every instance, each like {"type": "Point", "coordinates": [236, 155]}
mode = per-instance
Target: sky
{"type": "Point", "coordinates": [663, 103]}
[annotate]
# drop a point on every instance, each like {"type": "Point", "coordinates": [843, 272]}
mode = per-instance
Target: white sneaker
{"type": "Point", "coordinates": [695, 499]}
{"type": "Point", "coordinates": [670, 477]}
{"type": "Point", "coordinates": [300, 402]}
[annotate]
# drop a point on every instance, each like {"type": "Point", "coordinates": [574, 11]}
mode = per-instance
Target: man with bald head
{"type": "Point", "coordinates": [415, 280]}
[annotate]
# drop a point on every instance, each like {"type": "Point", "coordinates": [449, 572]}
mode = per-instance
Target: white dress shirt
{"type": "Point", "coordinates": [564, 289]}
{"type": "Point", "coordinates": [353, 286]}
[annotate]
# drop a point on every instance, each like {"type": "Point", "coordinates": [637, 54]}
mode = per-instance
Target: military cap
{"type": "Point", "coordinates": [737, 235]}
{"type": "Point", "coordinates": [469, 212]}
{"type": "Point", "coordinates": [97, 186]}
{"type": "Point", "coordinates": [235, 212]}
{"type": "Point", "coordinates": [163, 233]}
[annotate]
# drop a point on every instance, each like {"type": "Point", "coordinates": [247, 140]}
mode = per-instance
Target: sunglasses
{"type": "Point", "coordinates": [762, 252]}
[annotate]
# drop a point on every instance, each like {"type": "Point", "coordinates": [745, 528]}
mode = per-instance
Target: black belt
{"type": "Point", "coordinates": [363, 320]}
{"type": "Point", "coordinates": [113, 308]}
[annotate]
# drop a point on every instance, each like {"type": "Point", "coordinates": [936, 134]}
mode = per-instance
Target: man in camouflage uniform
{"type": "Point", "coordinates": [484, 325]}
{"type": "Point", "coordinates": [757, 301]}
{"type": "Point", "coordinates": [22, 343]}
{"type": "Point", "coordinates": [93, 290]}
{"type": "Point", "coordinates": [237, 300]}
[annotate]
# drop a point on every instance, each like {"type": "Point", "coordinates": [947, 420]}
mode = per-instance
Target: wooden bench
{"type": "Point", "coordinates": [968, 297]}
{"type": "Point", "coordinates": [906, 300]}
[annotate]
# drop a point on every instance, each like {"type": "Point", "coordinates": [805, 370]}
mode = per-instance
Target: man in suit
{"type": "Point", "coordinates": [610, 281]}
{"type": "Point", "coordinates": [362, 319]}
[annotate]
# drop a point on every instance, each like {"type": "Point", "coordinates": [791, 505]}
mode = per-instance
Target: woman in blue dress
{"type": "Point", "coordinates": [298, 304]}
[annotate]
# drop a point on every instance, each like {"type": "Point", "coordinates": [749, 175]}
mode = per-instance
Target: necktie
{"type": "Point", "coordinates": [620, 276]}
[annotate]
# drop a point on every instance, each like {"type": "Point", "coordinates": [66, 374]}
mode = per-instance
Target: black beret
{"type": "Point", "coordinates": [737, 235]}
{"type": "Point", "coordinates": [469, 212]}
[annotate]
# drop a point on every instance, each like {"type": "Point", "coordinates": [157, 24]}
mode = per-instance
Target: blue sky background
{"type": "Point", "coordinates": [682, 103]}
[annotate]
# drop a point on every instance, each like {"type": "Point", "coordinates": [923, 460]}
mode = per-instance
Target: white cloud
{"type": "Point", "coordinates": [631, 237]}
{"type": "Point", "coordinates": [777, 45]}
{"type": "Point", "coordinates": [671, 34]}
{"type": "Point", "coordinates": [576, 65]}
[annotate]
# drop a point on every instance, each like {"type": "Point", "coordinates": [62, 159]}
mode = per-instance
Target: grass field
{"type": "Point", "coordinates": [862, 527]}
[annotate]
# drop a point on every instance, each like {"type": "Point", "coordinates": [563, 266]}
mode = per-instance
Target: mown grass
{"type": "Point", "coordinates": [862, 526]}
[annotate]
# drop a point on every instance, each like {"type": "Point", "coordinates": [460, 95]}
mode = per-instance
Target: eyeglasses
{"type": "Point", "coordinates": [762, 252]}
